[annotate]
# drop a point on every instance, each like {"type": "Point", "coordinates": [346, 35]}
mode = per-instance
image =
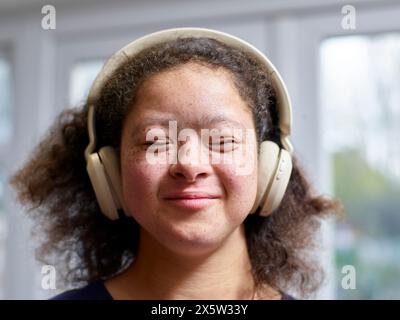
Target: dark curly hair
{"type": "Point", "coordinates": [86, 246]}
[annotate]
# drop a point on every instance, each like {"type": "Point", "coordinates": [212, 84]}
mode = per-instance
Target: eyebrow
{"type": "Point", "coordinates": [205, 120]}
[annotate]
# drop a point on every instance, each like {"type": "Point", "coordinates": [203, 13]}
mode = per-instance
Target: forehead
{"type": "Point", "coordinates": [192, 94]}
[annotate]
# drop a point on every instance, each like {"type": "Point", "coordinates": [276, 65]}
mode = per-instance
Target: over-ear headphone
{"type": "Point", "coordinates": [274, 165]}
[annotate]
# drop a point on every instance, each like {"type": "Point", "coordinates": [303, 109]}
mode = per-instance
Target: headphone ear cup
{"type": "Point", "coordinates": [278, 184]}
{"type": "Point", "coordinates": [101, 186]}
{"type": "Point", "coordinates": [274, 169]}
{"type": "Point", "coordinates": [111, 163]}
{"type": "Point", "coordinates": [267, 160]}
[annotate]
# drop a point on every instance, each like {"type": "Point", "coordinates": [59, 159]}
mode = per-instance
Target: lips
{"type": "Point", "coordinates": [194, 200]}
{"type": "Point", "coordinates": [192, 195]}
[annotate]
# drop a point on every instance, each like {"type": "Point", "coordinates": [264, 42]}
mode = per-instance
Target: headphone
{"type": "Point", "coordinates": [274, 165]}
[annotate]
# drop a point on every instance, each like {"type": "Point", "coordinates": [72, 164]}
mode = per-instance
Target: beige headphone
{"type": "Point", "coordinates": [274, 165]}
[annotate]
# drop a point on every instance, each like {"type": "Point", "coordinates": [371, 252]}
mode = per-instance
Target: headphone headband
{"type": "Point", "coordinates": [133, 48]}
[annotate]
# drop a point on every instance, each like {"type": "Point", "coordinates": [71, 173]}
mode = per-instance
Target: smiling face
{"type": "Point", "coordinates": [196, 97]}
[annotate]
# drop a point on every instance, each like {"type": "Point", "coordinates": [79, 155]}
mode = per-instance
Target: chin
{"type": "Point", "coordinates": [193, 243]}
{"type": "Point", "coordinates": [194, 250]}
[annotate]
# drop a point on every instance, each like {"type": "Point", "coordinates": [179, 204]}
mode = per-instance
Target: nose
{"type": "Point", "coordinates": [191, 162]}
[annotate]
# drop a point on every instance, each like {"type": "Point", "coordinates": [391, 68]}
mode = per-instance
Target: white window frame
{"type": "Point", "coordinates": [5, 55]}
{"type": "Point", "coordinates": [298, 60]}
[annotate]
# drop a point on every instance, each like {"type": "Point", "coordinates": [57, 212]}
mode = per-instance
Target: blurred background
{"type": "Point", "coordinates": [340, 61]}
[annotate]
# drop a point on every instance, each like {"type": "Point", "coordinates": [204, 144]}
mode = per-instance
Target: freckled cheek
{"type": "Point", "coordinates": [241, 185]}
{"type": "Point", "coordinates": [140, 184]}
{"type": "Point", "coordinates": [241, 188]}
{"type": "Point", "coordinates": [242, 168]}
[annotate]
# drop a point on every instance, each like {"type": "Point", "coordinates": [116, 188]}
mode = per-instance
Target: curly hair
{"type": "Point", "coordinates": [86, 246]}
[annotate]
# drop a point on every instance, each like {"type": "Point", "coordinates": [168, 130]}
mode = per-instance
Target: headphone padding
{"type": "Point", "coordinates": [267, 161]}
{"type": "Point", "coordinates": [110, 161]}
{"type": "Point", "coordinates": [101, 186]}
{"type": "Point", "coordinates": [279, 183]}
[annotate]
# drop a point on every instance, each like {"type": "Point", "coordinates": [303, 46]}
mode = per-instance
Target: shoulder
{"type": "Point", "coordinates": [92, 291]}
{"type": "Point", "coordinates": [266, 292]}
{"type": "Point", "coordinates": [286, 296]}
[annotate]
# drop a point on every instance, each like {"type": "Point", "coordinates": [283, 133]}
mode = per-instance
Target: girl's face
{"type": "Point", "coordinates": [196, 98]}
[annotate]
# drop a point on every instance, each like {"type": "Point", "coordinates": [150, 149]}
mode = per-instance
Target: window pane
{"type": "Point", "coordinates": [81, 78]}
{"type": "Point", "coordinates": [5, 138]}
{"type": "Point", "coordinates": [5, 101]}
{"type": "Point", "coordinates": [360, 99]}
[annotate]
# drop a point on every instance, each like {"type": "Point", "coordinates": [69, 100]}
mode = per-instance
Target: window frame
{"type": "Point", "coordinates": [298, 59]}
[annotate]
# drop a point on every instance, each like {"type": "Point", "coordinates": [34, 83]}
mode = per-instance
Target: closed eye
{"type": "Point", "coordinates": [160, 145]}
{"type": "Point", "coordinates": [226, 145]}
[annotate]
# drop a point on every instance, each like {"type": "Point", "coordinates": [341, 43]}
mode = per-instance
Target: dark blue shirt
{"type": "Point", "coordinates": [92, 291]}
{"type": "Point", "coordinates": [98, 291]}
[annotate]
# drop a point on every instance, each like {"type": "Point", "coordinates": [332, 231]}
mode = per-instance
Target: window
{"type": "Point", "coordinates": [360, 99]}
{"type": "Point", "coordinates": [81, 78]}
{"type": "Point", "coordinates": [5, 137]}
{"type": "Point", "coordinates": [5, 101]}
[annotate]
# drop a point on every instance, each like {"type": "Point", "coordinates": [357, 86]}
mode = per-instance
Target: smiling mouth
{"type": "Point", "coordinates": [193, 203]}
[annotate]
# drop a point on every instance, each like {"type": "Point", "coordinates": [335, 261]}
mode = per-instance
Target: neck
{"type": "Point", "coordinates": [158, 273]}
